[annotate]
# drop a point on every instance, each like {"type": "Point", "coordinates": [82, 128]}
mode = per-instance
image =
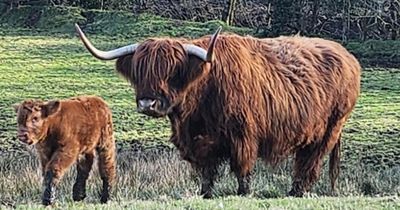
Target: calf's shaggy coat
{"type": "Point", "coordinates": [244, 98]}
{"type": "Point", "coordinates": [66, 131]}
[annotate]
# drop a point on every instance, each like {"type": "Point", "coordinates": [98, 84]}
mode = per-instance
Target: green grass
{"type": "Point", "coordinates": [43, 64]}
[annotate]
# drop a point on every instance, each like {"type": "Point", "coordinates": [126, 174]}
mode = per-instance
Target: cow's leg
{"type": "Point", "coordinates": [107, 168]}
{"type": "Point", "coordinates": [307, 167]}
{"type": "Point", "coordinates": [334, 165]}
{"type": "Point", "coordinates": [208, 175]}
{"type": "Point", "coordinates": [83, 169]}
{"type": "Point", "coordinates": [60, 161]}
{"type": "Point", "coordinates": [206, 161]}
{"type": "Point", "coordinates": [308, 160]}
{"type": "Point", "coordinates": [244, 182]}
{"type": "Point", "coordinates": [244, 156]}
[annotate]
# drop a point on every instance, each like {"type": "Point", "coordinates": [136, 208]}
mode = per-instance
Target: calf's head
{"type": "Point", "coordinates": [160, 70]}
{"type": "Point", "coordinates": [32, 119]}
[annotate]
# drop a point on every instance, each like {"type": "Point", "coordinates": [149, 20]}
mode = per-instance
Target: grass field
{"type": "Point", "coordinates": [151, 175]}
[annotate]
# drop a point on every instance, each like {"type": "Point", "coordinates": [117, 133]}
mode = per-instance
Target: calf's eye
{"type": "Point", "coordinates": [34, 119]}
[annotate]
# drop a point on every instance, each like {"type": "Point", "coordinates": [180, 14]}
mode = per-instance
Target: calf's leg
{"type": "Point", "coordinates": [44, 158]}
{"type": "Point", "coordinates": [107, 168]}
{"type": "Point", "coordinates": [83, 169]}
{"type": "Point", "coordinates": [60, 161]}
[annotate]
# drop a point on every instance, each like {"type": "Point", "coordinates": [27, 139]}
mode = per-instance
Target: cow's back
{"type": "Point", "coordinates": [280, 90]}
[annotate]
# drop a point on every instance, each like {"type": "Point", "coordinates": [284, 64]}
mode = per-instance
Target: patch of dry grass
{"type": "Point", "coordinates": [160, 175]}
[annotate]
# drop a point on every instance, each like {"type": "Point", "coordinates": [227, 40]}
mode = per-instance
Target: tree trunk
{"type": "Point", "coordinates": [231, 12]}
{"type": "Point", "coordinates": [346, 21]}
{"type": "Point", "coordinates": [315, 12]}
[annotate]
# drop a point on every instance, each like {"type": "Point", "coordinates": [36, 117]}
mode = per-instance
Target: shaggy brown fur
{"type": "Point", "coordinates": [67, 131]}
{"type": "Point", "coordinates": [267, 98]}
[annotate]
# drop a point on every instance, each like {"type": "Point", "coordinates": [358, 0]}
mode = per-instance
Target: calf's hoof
{"type": "Point", "coordinates": [78, 196]}
{"type": "Point", "coordinates": [78, 193]}
{"type": "Point", "coordinates": [48, 197]}
{"type": "Point", "coordinates": [104, 197]}
{"type": "Point", "coordinates": [47, 202]}
{"type": "Point", "coordinates": [103, 200]}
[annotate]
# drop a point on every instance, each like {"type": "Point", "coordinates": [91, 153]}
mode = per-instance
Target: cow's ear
{"type": "Point", "coordinates": [199, 65]}
{"type": "Point", "coordinates": [124, 67]}
{"type": "Point", "coordinates": [197, 69]}
{"type": "Point", "coordinates": [16, 107]}
{"type": "Point", "coordinates": [50, 108]}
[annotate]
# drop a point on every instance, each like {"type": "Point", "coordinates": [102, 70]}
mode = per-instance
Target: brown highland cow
{"type": "Point", "coordinates": [66, 131]}
{"type": "Point", "coordinates": [234, 98]}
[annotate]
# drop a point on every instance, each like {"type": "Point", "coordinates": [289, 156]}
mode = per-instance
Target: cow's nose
{"type": "Point", "coordinates": [146, 104]}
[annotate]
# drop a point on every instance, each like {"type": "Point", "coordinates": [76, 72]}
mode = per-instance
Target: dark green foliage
{"type": "Point", "coordinates": [55, 19]}
{"type": "Point", "coordinates": [377, 52]}
{"type": "Point", "coordinates": [338, 19]}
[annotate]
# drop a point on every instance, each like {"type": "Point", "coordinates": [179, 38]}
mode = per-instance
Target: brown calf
{"type": "Point", "coordinates": [65, 131]}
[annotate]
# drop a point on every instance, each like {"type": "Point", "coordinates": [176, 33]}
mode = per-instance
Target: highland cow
{"type": "Point", "coordinates": [66, 131]}
{"type": "Point", "coordinates": [236, 98]}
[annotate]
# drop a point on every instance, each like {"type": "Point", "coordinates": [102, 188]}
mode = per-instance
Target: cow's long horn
{"type": "Point", "coordinates": [201, 53]}
{"type": "Point", "coordinates": [105, 55]}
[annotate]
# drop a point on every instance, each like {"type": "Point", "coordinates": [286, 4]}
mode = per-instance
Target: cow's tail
{"type": "Point", "coordinates": [334, 165]}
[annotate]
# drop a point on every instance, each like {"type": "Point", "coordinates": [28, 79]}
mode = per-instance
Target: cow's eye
{"type": "Point", "coordinates": [176, 81]}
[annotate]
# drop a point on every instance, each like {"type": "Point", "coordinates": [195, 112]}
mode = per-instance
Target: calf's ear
{"type": "Point", "coordinates": [15, 107]}
{"type": "Point", "coordinates": [50, 108]}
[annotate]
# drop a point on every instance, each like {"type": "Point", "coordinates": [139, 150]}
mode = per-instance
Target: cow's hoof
{"type": "Point", "coordinates": [207, 195]}
{"type": "Point", "coordinates": [295, 193]}
{"type": "Point", "coordinates": [243, 192]}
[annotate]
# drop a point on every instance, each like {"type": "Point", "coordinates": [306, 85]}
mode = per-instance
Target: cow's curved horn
{"type": "Point", "coordinates": [201, 53]}
{"type": "Point", "coordinates": [105, 55]}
